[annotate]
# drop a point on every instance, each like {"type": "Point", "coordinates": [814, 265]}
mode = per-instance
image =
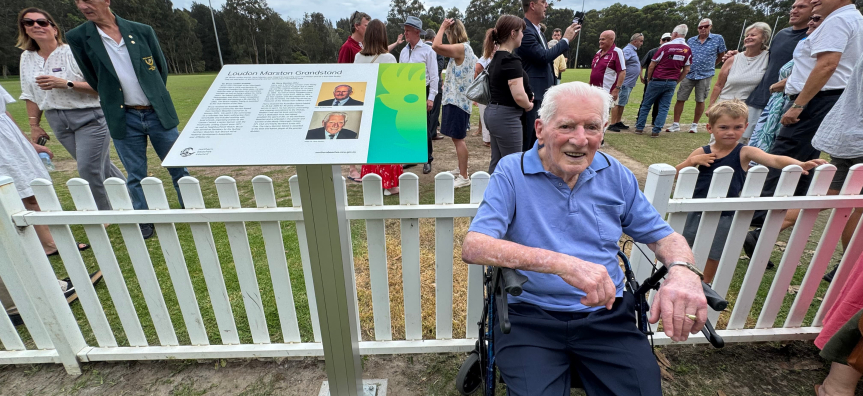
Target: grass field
{"type": "Point", "coordinates": [187, 91]}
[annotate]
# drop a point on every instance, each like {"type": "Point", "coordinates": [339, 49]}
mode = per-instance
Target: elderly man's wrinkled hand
{"type": "Point", "coordinates": [680, 296]}
{"type": "Point", "coordinates": [591, 278]}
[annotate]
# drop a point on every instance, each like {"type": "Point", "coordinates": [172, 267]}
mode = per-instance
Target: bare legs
{"type": "Point", "coordinates": [461, 153]}
{"type": "Point", "coordinates": [841, 381]}
{"type": "Point", "coordinates": [678, 111]}
{"type": "Point", "coordinates": [42, 231]}
{"type": "Point", "coordinates": [616, 115]}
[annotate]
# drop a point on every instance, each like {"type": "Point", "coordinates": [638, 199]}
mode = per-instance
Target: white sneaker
{"type": "Point", "coordinates": [461, 181]}
{"type": "Point", "coordinates": [693, 128]}
{"type": "Point", "coordinates": [675, 127]}
{"type": "Point", "coordinates": [455, 172]}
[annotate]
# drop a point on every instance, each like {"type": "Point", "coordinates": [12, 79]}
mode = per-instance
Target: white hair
{"type": "Point", "coordinates": [577, 89]}
{"type": "Point", "coordinates": [765, 32]}
{"type": "Point", "coordinates": [350, 88]}
{"type": "Point", "coordinates": [681, 30]}
{"type": "Point", "coordinates": [635, 36]}
{"type": "Point", "coordinates": [709, 22]}
{"type": "Point", "coordinates": [336, 113]}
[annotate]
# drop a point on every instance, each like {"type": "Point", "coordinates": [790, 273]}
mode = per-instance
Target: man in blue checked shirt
{"type": "Point", "coordinates": [633, 71]}
{"type": "Point", "coordinates": [707, 50]}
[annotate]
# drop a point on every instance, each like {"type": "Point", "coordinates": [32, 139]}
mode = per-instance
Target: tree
{"type": "Point", "coordinates": [242, 18]}
{"type": "Point", "coordinates": [204, 31]}
{"type": "Point", "coordinates": [320, 43]}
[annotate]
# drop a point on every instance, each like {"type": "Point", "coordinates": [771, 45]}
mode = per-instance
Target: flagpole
{"type": "Point", "coordinates": [773, 33]}
{"type": "Point", "coordinates": [218, 46]}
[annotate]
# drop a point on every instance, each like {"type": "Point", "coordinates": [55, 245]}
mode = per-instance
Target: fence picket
{"type": "Point", "coordinates": [229, 198]}
{"type": "Point", "coordinates": [794, 249]}
{"type": "Point", "coordinates": [104, 252]}
{"type": "Point", "coordinates": [710, 220]}
{"type": "Point", "coordinates": [444, 194]}
{"type": "Point", "coordinates": [68, 248]}
{"type": "Point", "coordinates": [410, 235]}
{"type": "Point", "coordinates": [304, 256]}
{"type": "Point", "coordinates": [824, 252]}
{"type": "Point", "coordinates": [211, 266]}
{"type": "Point", "coordinates": [176, 262]}
{"type": "Point", "coordinates": [685, 188]}
{"type": "Point", "coordinates": [377, 248]}
{"type": "Point", "coordinates": [118, 195]}
{"type": "Point", "coordinates": [736, 235]}
{"type": "Point", "coordinates": [8, 335]}
{"type": "Point", "coordinates": [763, 249]}
{"type": "Point", "coordinates": [478, 184]}
{"type": "Point", "coordinates": [265, 197]}
{"type": "Point", "coordinates": [657, 189]}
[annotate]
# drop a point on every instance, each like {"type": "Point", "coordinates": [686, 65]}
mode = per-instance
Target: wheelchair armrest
{"type": "Point", "coordinates": [513, 281]}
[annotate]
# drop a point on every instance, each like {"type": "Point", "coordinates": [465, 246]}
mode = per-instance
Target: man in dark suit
{"type": "Point", "coordinates": [122, 61]}
{"type": "Point", "coordinates": [537, 60]}
{"type": "Point", "coordinates": [341, 97]}
{"type": "Point", "coordinates": [332, 127]}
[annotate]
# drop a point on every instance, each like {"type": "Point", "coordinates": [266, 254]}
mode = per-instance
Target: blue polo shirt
{"type": "Point", "coordinates": [535, 208]}
{"type": "Point", "coordinates": [704, 56]}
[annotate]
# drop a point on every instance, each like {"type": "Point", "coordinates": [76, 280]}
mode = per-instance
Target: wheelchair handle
{"type": "Point", "coordinates": [711, 335]}
{"type": "Point", "coordinates": [715, 302]}
{"type": "Point", "coordinates": [513, 281]}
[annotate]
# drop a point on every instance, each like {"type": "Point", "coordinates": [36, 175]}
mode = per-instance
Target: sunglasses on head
{"type": "Point", "coordinates": [40, 22]}
{"type": "Point", "coordinates": [815, 18]}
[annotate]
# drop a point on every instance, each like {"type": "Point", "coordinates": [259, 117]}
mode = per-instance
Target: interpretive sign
{"type": "Point", "coordinates": [308, 115]}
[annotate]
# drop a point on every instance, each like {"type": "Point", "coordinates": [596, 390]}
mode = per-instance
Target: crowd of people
{"type": "Point", "coordinates": [784, 99]}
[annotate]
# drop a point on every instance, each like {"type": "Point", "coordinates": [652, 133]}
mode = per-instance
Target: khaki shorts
{"type": "Point", "coordinates": [842, 165]}
{"type": "Point", "coordinates": [702, 89]}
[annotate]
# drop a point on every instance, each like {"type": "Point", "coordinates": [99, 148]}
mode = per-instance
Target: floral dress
{"type": "Point", "coordinates": [768, 123]}
{"type": "Point", "coordinates": [458, 79]}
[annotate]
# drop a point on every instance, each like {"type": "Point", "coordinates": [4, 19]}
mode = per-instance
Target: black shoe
{"type": "Point", "coordinates": [147, 230]}
{"type": "Point", "coordinates": [829, 276]}
{"type": "Point", "coordinates": [427, 168]}
{"type": "Point", "coordinates": [614, 128]}
{"type": "Point", "coordinates": [750, 242]}
{"type": "Point", "coordinates": [16, 319]}
{"type": "Point", "coordinates": [70, 293]}
{"type": "Point", "coordinates": [406, 166]}
{"type": "Point", "coordinates": [621, 125]}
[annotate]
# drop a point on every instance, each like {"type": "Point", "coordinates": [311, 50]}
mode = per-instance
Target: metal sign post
{"type": "Point", "coordinates": [330, 255]}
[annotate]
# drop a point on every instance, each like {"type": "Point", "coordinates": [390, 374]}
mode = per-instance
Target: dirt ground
{"type": "Point", "coordinates": [738, 369]}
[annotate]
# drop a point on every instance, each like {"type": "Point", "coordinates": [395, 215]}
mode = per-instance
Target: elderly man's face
{"type": "Point", "coordinates": [605, 41]}
{"type": "Point", "coordinates": [94, 10]}
{"type": "Point", "coordinates": [412, 35]}
{"type": "Point", "coordinates": [704, 28]}
{"type": "Point", "coordinates": [572, 137]}
{"type": "Point", "coordinates": [334, 124]}
{"type": "Point", "coordinates": [800, 12]}
{"type": "Point", "coordinates": [342, 92]}
{"type": "Point", "coordinates": [638, 42]}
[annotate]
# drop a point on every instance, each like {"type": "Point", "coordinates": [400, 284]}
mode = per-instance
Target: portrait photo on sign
{"type": "Point", "coordinates": [335, 124]}
{"type": "Point", "coordinates": [341, 94]}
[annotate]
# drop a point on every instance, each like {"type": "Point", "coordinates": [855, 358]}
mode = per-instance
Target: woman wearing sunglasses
{"type": "Point", "coordinates": [52, 83]}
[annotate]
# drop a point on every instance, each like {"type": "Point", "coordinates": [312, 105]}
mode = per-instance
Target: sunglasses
{"type": "Point", "coordinates": [40, 22]}
{"type": "Point", "coordinates": [665, 39]}
{"type": "Point", "coordinates": [703, 27]}
{"type": "Point", "coordinates": [815, 18]}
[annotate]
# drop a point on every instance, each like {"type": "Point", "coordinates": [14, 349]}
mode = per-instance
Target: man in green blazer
{"type": "Point", "coordinates": [122, 60]}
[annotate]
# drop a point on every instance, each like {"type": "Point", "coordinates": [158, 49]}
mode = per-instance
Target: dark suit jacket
{"type": "Point", "coordinates": [320, 134]}
{"type": "Point", "coordinates": [537, 59]}
{"type": "Point", "coordinates": [147, 59]}
{"type": "Point", "coordinates": [351, 102]}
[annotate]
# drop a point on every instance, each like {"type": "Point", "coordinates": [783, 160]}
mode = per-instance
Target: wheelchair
{"type": "Point", "coordinates": [479, 370]}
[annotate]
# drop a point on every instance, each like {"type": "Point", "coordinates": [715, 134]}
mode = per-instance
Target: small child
{"type": "Point", "coordinates": [727, 122]}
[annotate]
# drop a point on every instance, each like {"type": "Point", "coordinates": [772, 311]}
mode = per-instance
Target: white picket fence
{"type": "Point", "coordinates": [57, 338]}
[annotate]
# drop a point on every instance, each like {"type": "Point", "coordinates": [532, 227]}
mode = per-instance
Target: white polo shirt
{"type": "Point", "coordinates": [841, 31]}
{"type": "Point", "coordinates": [133, 95]}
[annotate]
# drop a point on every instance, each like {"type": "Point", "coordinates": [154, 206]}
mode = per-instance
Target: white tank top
{"type": "Point", "coordinates": [744, 76]}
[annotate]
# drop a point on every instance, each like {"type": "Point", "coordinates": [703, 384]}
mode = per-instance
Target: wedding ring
{"type": "Point", "coordinates": [692, 317]}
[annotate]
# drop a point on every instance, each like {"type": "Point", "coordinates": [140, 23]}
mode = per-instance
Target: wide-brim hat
{"type": "Point", "coordinates": [413, 22]}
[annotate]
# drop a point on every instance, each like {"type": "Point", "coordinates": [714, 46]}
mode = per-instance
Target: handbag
{"type": "Point", "coordinates": [478, 91]}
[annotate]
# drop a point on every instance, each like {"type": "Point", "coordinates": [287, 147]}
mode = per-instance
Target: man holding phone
{"type": "Point", "coordinates": [537, 60]}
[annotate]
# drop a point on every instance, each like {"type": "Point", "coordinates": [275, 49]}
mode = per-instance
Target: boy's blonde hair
{"type": "Point", "coordinates": [734, 108]}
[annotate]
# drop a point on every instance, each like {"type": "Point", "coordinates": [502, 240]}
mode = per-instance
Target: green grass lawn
{"type": "Point", "coordinates": [187, 91]}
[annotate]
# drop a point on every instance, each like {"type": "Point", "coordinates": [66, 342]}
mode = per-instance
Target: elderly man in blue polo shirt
{"type": "Point", "coordinates": [556, 213]}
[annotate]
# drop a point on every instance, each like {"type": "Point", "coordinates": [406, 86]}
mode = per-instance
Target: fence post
{"type": "Point", "coordinates": [37, 277]}
{"type": "Point", "coordinates": [657, 189]}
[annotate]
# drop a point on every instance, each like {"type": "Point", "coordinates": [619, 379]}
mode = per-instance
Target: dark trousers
{"type": "Point", "coordinates": [528, 121]}
{"type": "Point", "coordinates": [432, 121]}
{"type": "Point", "coordinates": [611, 355]}
{"type": "Point", "coordinates": [795, 141]}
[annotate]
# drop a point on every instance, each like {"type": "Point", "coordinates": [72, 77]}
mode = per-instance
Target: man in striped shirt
{"type": "Point", "coordinates": [608, 67]}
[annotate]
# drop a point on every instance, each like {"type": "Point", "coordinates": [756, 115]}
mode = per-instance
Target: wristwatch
{"type": "Point", "coordinates": [797, 106]}
{"type": "Point", "coordinates": [688, 266]}
{"type": "Point", "coordinates": [70, 84]}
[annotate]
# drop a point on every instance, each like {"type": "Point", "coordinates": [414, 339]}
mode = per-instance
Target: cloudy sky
{"type": "Point", "coordinates": [336, 9]}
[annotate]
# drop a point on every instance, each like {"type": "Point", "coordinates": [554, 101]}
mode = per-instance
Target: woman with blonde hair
{"type": "Point", "coordinates": [375, 51]}
{"type": "Point", "coordinates": [53, 85]}
{"type": "Point", "coordinates": [455, 119]}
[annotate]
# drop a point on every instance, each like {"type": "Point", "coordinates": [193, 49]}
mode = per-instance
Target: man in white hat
{"type": "Point", "coordinates": [419, 52]}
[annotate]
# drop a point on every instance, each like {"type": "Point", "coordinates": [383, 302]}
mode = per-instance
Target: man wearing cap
{"type": "Point", "coordinates": [122, 60]}
{"type": "Point", "coordinates": [645, 63]}
{"type": "Point", "coordinates": [419, 52]}
{"type": "Point", "coordinates": [428, 38]}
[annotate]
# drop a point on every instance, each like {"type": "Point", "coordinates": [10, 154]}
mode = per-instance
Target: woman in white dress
{"type": "Point", "coordinates": [52, 84]}
{"type": "Point", "coordinates": [741, 73]}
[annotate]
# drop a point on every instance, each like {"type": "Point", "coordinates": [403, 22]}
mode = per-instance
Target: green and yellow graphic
{"type": "Point", "coordinates": [399, 122]}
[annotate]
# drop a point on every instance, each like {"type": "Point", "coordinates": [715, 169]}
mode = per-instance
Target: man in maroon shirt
{"type": "Point", "coordinates": [667, 68]}
{"type": "Point", "coordinates": [354, 44]}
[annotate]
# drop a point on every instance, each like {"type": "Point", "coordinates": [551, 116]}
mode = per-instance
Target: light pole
{"type": "Point", "coordinates": [216, 32]}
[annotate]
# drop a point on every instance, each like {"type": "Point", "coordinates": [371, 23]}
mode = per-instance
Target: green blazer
{"type": "Point", "coordinates": [149, 64]}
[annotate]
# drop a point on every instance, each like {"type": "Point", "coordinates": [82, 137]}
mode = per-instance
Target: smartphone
{"type": "Point", "coordinates": [578, 18]}
{"type": "Point", "coordinates": [42, 140]}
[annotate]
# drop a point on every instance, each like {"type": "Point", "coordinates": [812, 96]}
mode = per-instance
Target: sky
{"type": "Point", "coordinates": [337, 9]}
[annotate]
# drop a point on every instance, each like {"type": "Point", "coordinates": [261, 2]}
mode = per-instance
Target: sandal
{"type": "Point", "coordinates": [355, 180]}
{"type": "Point", "coordinates": [81, 247]}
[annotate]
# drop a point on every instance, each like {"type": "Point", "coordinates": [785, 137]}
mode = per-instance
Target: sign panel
{"type": "Point", "coordinates": [325, 114]}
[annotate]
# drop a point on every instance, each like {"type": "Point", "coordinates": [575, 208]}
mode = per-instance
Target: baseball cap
{"type": "Point", "coordinates": [665, 36]}
{"type": "Point", "coordinates": [413, 21]}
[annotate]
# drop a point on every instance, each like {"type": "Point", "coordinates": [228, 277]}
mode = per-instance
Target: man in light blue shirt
{"type": "Point", "coordinates": [707, 49]}
{"type": "Point", "coordinates": [556, 213]}
{"type": "Point", "coordinates": [633, 70]}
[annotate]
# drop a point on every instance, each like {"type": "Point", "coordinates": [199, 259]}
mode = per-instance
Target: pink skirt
{"type": "Point", "coordinates": [850, 302]}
